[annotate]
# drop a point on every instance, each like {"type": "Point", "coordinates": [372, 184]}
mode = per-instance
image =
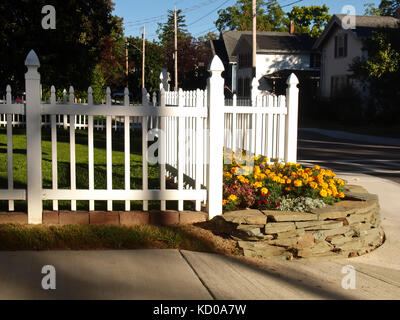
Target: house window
{"type": "Point", "coordinates": [315, 60]}
{"type": "Point", "coordinates": [245, 60]}
{"type": "Point", "coordinates": [337, 83]}
{"type": "Point", "coordinates": [341, 45]}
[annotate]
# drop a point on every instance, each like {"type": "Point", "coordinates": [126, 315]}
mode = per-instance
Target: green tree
{"type": "Point", "coordinates": [371, 10]}
{"type": "Point", "coordinates": [112, 57]}
{"type": "Point", "coordinates": [270, 16]}
{"type": "Point", "coordinates": [153, 67]}
{"type": "Point", "coordinates": [381, 71]}
{"type": "Point", "coordinates": [166, 31]}
{"type": "Point", "coordinates": [67, 54]}
{"type": "Point", "coordinates": [311, 20]}
{"type": "Point", "coordinates": [389, 7]}
{"type": "Point", "coordinates": [98, 85]}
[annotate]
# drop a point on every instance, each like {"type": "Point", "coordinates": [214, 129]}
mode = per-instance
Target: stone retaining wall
{"type": "Point", "coordinates": [346, 229]}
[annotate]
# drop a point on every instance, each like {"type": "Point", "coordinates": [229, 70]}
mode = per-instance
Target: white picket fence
{"type": "Point", "coordinates": [192, 128]}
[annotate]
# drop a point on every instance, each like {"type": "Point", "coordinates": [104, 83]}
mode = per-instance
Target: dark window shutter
{"type": "Point", "coordinates": [336, 44]}
{"type": "Point", "coordinates": [345, 45]}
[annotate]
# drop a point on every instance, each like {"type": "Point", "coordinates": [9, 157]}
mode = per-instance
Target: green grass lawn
{"type": "Point", "coordinates": [82, 173]}
{"type": "Point", "coordinates": [21, 237]}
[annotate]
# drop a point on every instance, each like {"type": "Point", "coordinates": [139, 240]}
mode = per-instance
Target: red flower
{"type": "Point", "coordinates": [278, 205]}
{"type": "Point", "coordinates": [259, 202]}
{"type": "Point", "coordinates": [266, 201]}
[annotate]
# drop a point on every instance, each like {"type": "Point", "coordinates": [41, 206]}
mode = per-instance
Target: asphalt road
{"type": "Point", "coordinates": [348, 156]}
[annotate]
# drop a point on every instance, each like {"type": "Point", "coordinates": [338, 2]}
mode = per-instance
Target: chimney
{"type": "Point", "coordinates": [291, 27]}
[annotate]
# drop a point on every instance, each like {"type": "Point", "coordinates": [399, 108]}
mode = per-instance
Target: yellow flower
{"type": "Point", "coordinates": [341, 195]}
{"type": "Point", "coordinates": [224, 202]}
{"type": "Point", "coordinates": [257, 185]}
{"type": "Point", "coordinates": [288, 181]}
{"type": "Point", "coordinates": [298, 183]}
{"type": "Point", "coordinates": [232, 197]}
{"type": "Point", "coordinates": [313, 185]}
{"type": "Point", "coordinates": [264, 190]}
{"type": "Point", "coordinates": [317, 167]}
{"type": "Point", "coordinates": [228, 174]}
{"type": "Point", "coordinates": [323, 193]}
{"type": "Point", "coordinates": [288, 189]}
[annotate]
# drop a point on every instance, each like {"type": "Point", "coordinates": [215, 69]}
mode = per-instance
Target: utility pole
{"type": "Point", "coordinates": [176, 50]}
{"type": "Point", "coordinates": [126, 62]}
{"type": "Point", "coordinates": [254, 37]}
{"type": "Point", "coordinates": [144, 56]}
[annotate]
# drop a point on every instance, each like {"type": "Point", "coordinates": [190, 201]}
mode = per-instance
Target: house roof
{"type": "Point", "coordinates": [269, 42]}
{"type": "Point", "coordinates": [365, 25]}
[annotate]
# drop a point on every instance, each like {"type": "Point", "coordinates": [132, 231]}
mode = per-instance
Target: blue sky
{"type": "Point", "coordinates": [201, 14]}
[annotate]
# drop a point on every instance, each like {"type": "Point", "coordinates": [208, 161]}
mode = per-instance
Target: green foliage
{"type": "Point", "coordinates": [153, 67]}
{"type": "Point", "coordinates": [388, 7]}
{"type": "Point", "coordinates": [381, 71]}
{"type": "Point", "coordinates": [67, 54]}
{"type": "Point", "coordinates": [166, 31]}
{"type": "Point", "coordinates": [311, 20]}
{"type": "Point", "coordinates": [371, 10]}
{"type": "Point", "coordinates": [270, 16]}
{"type": "Point", "coordinates": [98, 85]}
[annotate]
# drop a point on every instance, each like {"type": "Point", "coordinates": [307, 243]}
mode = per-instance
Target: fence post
{"type": "Point", "coordinates": [33, 139]}
{"type": "Point", "coordinates": [292, 104]}
{"type": "Point", "coordinates": [216, 103]}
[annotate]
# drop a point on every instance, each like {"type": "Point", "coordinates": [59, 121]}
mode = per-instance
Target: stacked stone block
{"type": "Point", "coordinates": [346, 229]}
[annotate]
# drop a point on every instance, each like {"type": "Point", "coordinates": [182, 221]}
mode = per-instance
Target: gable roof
{"type": "Point", "coordinates": [270, 42]}
{"type": "Point", "coordinates": [365, 25]}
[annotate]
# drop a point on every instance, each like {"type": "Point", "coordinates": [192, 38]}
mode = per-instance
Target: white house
{"type": "Point", "coordinates": [278, 54]}
{"type": "Point", "coordinates": [339, 47]}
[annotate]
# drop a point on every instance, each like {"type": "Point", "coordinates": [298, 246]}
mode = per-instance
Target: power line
{"type": "Point", "coordinates": [205, 16]}
{"type": "Point", "coordinates": [157, 18]}
{"type": "Point", "coordinates": [289, 4]}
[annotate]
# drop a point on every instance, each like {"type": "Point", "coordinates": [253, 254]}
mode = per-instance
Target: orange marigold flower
{"type": "Point", "coordinates": [323, 193]}
{"type": "Point", "coordinates": [298, 183]}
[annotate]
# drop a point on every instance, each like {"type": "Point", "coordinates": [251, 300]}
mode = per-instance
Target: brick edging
{"type": "Point", "coordinates": [117, 218]}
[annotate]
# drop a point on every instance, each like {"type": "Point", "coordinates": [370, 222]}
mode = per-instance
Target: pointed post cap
{"type": "Point", "coordinates": [32, 59]}
{"type": "Point", "coordinates": [216, 65]}
{"type": "Point", "coordinates": [164, 75]}
{"type": "Point", "coordinates": [292, 80]}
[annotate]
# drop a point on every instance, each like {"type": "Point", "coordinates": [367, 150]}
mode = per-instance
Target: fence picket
{"type": "Point", "coordinates": [91, 149]}
{"type": "Point", "coordinates": [54, 168]}
{"type": "Point", "coordinates": [127, 144]}
{"type": "Point", "coordinates": [9, 150]}
{"type": "Point", "coordinates": [162, 155]}
{"type": "Point", "coordinates": [144, 150]}
{"type": "Point", "coordinates": [72, 148]}
{"type": "Point", "coordinates": [109, 148]}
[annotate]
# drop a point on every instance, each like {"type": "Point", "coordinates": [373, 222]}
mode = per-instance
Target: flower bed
{"type": "Point", "coordinates": [287, 211]}
{"type": "Point", "coordinates": [346, 228]}
{"type": "Point", "coordinates": [253, 182]}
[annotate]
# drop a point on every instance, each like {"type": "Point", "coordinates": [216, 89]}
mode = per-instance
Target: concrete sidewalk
{"type": "Point", "coordinates": [172, 274]}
